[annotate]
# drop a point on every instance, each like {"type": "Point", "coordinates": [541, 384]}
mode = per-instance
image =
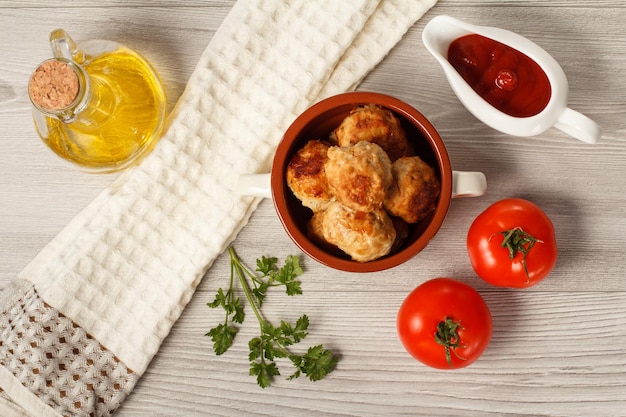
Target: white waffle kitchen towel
{"type": "Point", "coordinates": [81, 323]}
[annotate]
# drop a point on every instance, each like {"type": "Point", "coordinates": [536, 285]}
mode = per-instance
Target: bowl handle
{"type": "Point", "coordinates": [468, 184]}
{"type": "Point", "coordinates": [464, 184]}
{"type": "Point", "coordinates": [254, 185]}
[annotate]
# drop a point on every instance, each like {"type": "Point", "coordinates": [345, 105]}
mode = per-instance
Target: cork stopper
{"type": "Point", "coordinates": [53, 86]}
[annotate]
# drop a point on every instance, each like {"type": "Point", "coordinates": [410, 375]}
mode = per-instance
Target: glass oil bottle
{"type": "Point", "coordinates": [99, 105]}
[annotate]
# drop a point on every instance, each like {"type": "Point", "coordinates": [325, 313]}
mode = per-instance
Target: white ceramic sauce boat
{"type": "Point", "coordinates": [442, 30]}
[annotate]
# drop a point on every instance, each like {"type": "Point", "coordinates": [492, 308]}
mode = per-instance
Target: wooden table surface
{"type": "Point", "coordinates": [558, 349]}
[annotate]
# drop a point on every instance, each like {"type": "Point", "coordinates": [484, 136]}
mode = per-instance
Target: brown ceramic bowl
{"type": "Point", "coordinates": [316, 123]}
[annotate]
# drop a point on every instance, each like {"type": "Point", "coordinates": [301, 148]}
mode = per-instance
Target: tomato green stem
{"type": "Point", "coordinates": [517, 240]}
{"type": "Point", "coordinates": [447, 335]}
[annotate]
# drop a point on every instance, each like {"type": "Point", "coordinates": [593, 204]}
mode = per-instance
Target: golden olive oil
{"type": "Point", "coordinates": [123, 117]}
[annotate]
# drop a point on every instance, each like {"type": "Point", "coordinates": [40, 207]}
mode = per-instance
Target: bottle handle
{"type": "Point", "coordinates": [63, 46]}
{"type": "Point", "coordinates": [468, 184]}
{"type": "Point", "coordinates": [579, 126]}
{"type": "Point", "coordinates": [464, 184]}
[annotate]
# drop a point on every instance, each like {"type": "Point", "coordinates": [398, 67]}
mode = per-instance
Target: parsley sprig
{"type": "Point", "coordinates": [273, 341]}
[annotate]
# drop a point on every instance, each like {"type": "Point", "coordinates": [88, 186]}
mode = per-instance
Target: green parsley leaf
{"type": "Point", "coordinates": [219, 301]}
{"type": "Point", "coordinates": [287, 275]}
{"type": "Point", "coordinates": [317, 362]}
{"type": "Point", "coordinates": [264, 371]}
{"type": "Point", "coordinates": [222, 336]}
{"type": "Point", "coordinates": [266, 265]}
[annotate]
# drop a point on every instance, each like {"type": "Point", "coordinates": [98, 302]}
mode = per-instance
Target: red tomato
{"type": "Point", "coordinates": [512, 244]}
{"type": "Point", "coordinates": [444, 324]}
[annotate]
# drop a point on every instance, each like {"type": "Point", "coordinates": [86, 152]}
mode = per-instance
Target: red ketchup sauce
{"type": "Point", "coordinates": [506, 78]}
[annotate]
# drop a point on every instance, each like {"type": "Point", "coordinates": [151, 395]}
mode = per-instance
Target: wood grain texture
{"type": "Point", "coordinates": [558, 349]}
